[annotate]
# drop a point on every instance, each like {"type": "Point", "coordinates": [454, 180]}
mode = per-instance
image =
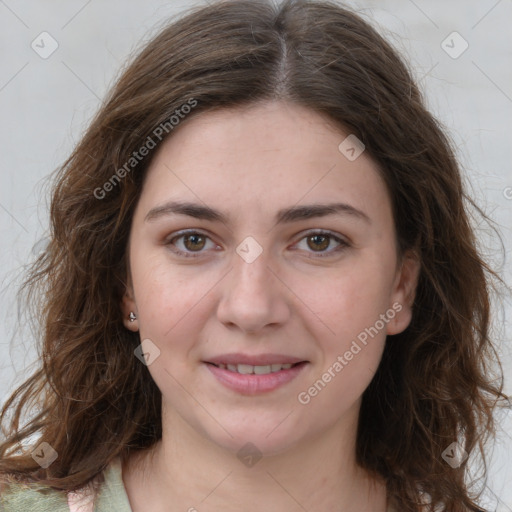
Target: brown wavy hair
{"type": "Point", "coordinates": [438, 381]}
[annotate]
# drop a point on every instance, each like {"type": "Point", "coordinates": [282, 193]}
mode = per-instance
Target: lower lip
{"type": "Point", "coordinates": [253, 384]}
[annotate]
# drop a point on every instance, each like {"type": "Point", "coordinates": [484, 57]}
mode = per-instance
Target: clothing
{"type": "Point", "coordinates": [112, 497]}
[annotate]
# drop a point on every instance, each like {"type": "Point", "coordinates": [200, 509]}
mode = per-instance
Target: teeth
{"type": "Point", "coordinates": [247, 369]}
{"type": "Point", "coordinates": [261, 370]}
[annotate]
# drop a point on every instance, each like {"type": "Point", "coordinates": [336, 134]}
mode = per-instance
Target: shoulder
{"type": "Point", "coordinates": [18, 497]}
{"type": "Point", "coordinates": [112, 495]}
{"type": "Point", "coordinates": [33, 497]}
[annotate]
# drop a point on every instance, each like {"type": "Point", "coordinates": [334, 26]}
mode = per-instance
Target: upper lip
{"type": "Point", "coordinates": [255, 360]}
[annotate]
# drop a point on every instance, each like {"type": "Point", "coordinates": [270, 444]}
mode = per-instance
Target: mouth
{"type": "Point", "coordinates": [248, 379]}
{"type": "Point", "coordinates": [248, 369]}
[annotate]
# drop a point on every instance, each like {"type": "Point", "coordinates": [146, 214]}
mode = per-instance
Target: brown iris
{"type": "Point", "coordinates": [315, 239]}
{"type": "Point", "coordinates": [197, 240]}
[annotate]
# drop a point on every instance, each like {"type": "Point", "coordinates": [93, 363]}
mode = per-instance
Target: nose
{"type": "Point", "coordinates": [252, 296]}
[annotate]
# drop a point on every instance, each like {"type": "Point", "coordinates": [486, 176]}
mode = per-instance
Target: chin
{"type": "Point", "coordinates": [258, 439]}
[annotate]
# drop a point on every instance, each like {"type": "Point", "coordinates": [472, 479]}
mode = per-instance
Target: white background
{"type": "Point", "coordinates": [45, 105]}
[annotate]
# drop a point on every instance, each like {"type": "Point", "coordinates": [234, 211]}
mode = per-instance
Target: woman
{"type": "Point", "coordinates": [256, 290]}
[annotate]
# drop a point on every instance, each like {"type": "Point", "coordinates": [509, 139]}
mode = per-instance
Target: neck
{"type": "Point", "coordinates": [188, 472]}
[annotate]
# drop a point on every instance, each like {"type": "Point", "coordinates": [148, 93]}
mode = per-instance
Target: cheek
{"type": "Point", "coordinates": [350, 337]}
{"type": "Point", "coordinates": [347, 301]}
{"type": "Point", "coordinates": [162, 293]}
{"type": "Point", "coordinates": [339, 388]}
{"type": "Point", "coordinates": [174, 302]}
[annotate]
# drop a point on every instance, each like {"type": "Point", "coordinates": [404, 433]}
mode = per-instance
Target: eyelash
{"type": "Point", "coordinates": [343, 244]}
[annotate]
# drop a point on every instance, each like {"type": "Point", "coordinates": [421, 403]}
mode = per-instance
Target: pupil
{"type": "Point", "coordinates": [316, 237]}
{"type": "Point", "coordinates": [194, 240]}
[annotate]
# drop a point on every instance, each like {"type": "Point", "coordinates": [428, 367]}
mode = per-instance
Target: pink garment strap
{"type": "Point", "coordinates": [80, 501]}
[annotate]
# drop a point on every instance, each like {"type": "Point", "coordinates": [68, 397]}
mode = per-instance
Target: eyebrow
{"type": "Point", "coordinates": [283, 216]}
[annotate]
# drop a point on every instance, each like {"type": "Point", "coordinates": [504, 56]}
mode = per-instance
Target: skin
{"type": "Point", "coordinates": [249, 163]}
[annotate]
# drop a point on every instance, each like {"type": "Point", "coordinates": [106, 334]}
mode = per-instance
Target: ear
{"type": "Point", "coordinates": [404, 292]}
{"type": "Point", "coordinates": [128, 306]}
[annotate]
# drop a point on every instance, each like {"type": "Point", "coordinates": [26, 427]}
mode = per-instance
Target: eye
{"type": "Point", "coordinates": [192, 241]}
{"type": "Point", "coordinates": [321, 240]}
{"type": "Point", "coordinates": [195, 241]}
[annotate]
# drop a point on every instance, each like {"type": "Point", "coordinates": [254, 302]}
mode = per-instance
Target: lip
{"type": "Point", "coordinates": [252, 384]}
{"type": "Point", "coordinates": [254, 360]}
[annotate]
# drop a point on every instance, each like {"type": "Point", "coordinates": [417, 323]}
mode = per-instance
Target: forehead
{"type": "Point", "coordinates": [262, 157]}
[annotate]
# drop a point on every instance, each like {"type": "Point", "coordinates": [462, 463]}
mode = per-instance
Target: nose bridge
{"type": "Point", "coordinates": [251, 297]}
{"type": "Point", "coordinates": [251, 274]}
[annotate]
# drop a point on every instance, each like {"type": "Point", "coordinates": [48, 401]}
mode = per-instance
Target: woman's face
{"type": "Point", "coordinates": [235, 259]}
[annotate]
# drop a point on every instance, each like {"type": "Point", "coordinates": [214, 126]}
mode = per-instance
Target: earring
{"type": "Point", "coordinates": [132, 316]}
